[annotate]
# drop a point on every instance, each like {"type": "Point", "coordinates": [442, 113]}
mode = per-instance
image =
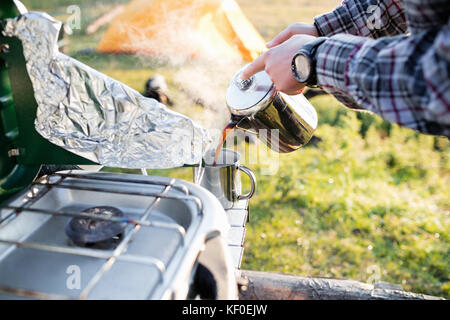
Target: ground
{"type": "Point", "coordinates": [369, 201]}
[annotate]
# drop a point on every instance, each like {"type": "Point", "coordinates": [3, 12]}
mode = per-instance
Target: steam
{"type": "Point", "coordinates": [201, 71]}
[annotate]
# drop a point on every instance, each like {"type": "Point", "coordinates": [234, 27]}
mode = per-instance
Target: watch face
{"type": "Point", "coordinates": [303, 67]}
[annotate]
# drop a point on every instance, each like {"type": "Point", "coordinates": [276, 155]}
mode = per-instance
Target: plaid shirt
{"type": "Point", "coordinates": [391, 57]}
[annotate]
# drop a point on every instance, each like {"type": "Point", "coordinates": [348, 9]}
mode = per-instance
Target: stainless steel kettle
{"type": "Point", "coordinates": [256, 104]}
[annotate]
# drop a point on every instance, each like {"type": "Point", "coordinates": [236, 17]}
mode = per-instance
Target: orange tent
{"type": "Point", "coordinates": [174, 28]}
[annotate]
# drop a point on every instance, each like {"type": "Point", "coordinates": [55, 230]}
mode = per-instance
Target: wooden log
{"type": "Point", "coordinates": [272, 286]}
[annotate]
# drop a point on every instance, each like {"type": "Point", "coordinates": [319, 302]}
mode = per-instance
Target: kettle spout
{"type": "Point", "coordinates": [244, 123]}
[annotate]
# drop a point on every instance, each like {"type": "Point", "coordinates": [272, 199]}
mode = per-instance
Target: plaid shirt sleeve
{"type": "Point", "coordinates": [366, 18]}
{"type": "Point", "coordinates": [405, 79]}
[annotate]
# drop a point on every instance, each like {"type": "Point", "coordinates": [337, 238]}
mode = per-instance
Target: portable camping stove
{"type": "Point", "coordinates": [78, 234]}
{"type": "Point", "coordinates": [145, 244]}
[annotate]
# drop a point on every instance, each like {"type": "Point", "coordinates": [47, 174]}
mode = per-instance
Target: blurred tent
{"type": "Point", "coordinates": [183, 28]}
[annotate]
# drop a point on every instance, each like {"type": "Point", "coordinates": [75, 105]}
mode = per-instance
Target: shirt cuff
{"type": "Point", "coordinates": [333, 58]}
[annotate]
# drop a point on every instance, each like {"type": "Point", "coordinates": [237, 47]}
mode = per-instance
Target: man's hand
{"type": "Point", "coordinates": [293, 29]}
{"type": "Point", "coordinates": [277, 63]}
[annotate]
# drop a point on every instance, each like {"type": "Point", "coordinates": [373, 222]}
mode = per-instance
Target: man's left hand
{"type": "Point", "coordinates": [277, 63]}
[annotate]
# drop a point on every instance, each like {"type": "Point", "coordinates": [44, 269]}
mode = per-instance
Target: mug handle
{"type": "Point", "coordinates": [252, 177]}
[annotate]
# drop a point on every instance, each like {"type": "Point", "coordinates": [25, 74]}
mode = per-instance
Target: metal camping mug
{"type": "Point", "coordinates": [224, 180]}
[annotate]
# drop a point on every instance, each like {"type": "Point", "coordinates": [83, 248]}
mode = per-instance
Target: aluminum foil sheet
{"type": "Point", "coordinates": [95, 116]}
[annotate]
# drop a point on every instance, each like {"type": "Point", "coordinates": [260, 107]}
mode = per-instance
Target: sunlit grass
{"type": "Point", "coordinates": [343, 206]}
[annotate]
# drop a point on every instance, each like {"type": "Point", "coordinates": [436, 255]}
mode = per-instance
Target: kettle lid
{"type": "Point", "coordinates": [245, 97]}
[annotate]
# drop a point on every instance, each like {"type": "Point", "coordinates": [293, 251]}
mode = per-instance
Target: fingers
{"type": "Point", "coordinates": [256, 66]}
{"type": "Point", "coordinates": [280, 38]}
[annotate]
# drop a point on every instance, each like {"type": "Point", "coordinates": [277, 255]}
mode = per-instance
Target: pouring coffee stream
{"type": "Point", "coordinates": [223, 137]}
{"type": "Point", "coordinates": [230, 126]}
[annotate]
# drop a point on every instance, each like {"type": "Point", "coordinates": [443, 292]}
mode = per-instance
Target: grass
{"type": "Point", "coordinates": [351, 203]}
{"type": "Point", "coordinates": [370, 200]}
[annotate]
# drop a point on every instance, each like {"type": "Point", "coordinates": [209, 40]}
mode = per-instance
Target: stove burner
{"type": "Point", "coordinates": [89, 232]}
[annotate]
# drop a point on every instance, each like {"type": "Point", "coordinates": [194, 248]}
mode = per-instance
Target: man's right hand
{"type": "Point", "coordinates": [293, 29]}
{"type": "Point", "coordinates": [277, 62]}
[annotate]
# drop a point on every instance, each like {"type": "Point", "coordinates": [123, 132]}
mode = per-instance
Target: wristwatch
{"type": "Point", "coordinates": [304, 62]}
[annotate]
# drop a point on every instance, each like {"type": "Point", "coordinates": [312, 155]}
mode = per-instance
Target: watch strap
{"type": "Point", "coordinates": [309, 51]}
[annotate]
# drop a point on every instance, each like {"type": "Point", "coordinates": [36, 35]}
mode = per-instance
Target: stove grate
{"type": "Point", "coordinates": [42, 186]}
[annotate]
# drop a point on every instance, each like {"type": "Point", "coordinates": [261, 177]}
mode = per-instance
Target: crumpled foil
{"type": "Point", "coordinates": [95, 116]}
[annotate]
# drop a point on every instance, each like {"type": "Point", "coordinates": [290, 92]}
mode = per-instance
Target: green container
{"type": "Point", "coordinates": [22, 150]}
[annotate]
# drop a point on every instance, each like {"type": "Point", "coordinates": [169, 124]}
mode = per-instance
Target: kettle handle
{"type": "Point", "coordinates": [252, 178]}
